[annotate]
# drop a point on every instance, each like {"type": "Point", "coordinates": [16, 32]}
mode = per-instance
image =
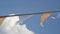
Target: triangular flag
{"type": "Point", "coordinates": [58, 15]}
{"type": "Point", "coordinates": [24, 18]}
{"type": "Point", "coordinates": [44, 17]}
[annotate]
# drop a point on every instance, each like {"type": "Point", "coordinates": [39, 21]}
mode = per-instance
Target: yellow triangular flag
{"type": "Point", "coordinates": [44, 17]}
{"type": "Point", "coordinates": [1, 20]}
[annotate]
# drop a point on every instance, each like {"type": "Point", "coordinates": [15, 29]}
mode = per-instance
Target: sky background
{"type": "Point", "coordinates": [51, 26]}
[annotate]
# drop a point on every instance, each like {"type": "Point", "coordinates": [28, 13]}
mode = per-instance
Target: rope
{"type": "Point", "coordinates": [29, 14]}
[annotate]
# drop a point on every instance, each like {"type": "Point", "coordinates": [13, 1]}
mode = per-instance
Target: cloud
{"type": "Point", "coordinates": [10, 25]}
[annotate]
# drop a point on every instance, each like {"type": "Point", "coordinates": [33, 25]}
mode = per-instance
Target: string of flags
{"type": "Point", "coordinates": [44, 16]}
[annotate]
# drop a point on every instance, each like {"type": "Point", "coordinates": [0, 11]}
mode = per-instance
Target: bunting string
{"type": "Point", "coordinates": [29, 14]}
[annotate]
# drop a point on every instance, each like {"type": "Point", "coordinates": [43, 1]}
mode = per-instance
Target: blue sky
{"type": "Point", "coordinates": [51, 26]}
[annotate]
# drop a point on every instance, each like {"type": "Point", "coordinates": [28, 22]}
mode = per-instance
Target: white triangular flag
{"type": "Point", "coordinates": [24, 18]}
{"type": "Point", "coordinates": [58, 15]}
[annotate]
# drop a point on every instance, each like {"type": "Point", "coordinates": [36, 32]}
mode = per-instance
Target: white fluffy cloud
{"type": "Point", "coordinates": [10, 26]}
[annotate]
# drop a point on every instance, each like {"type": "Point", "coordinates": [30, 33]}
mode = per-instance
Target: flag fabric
{"type": "Point", "coordinates": [58, 15]}
{"type": "Point", "coordinates": [23, 18]}
{"type": "Point", "coordinates": [44, 17]}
